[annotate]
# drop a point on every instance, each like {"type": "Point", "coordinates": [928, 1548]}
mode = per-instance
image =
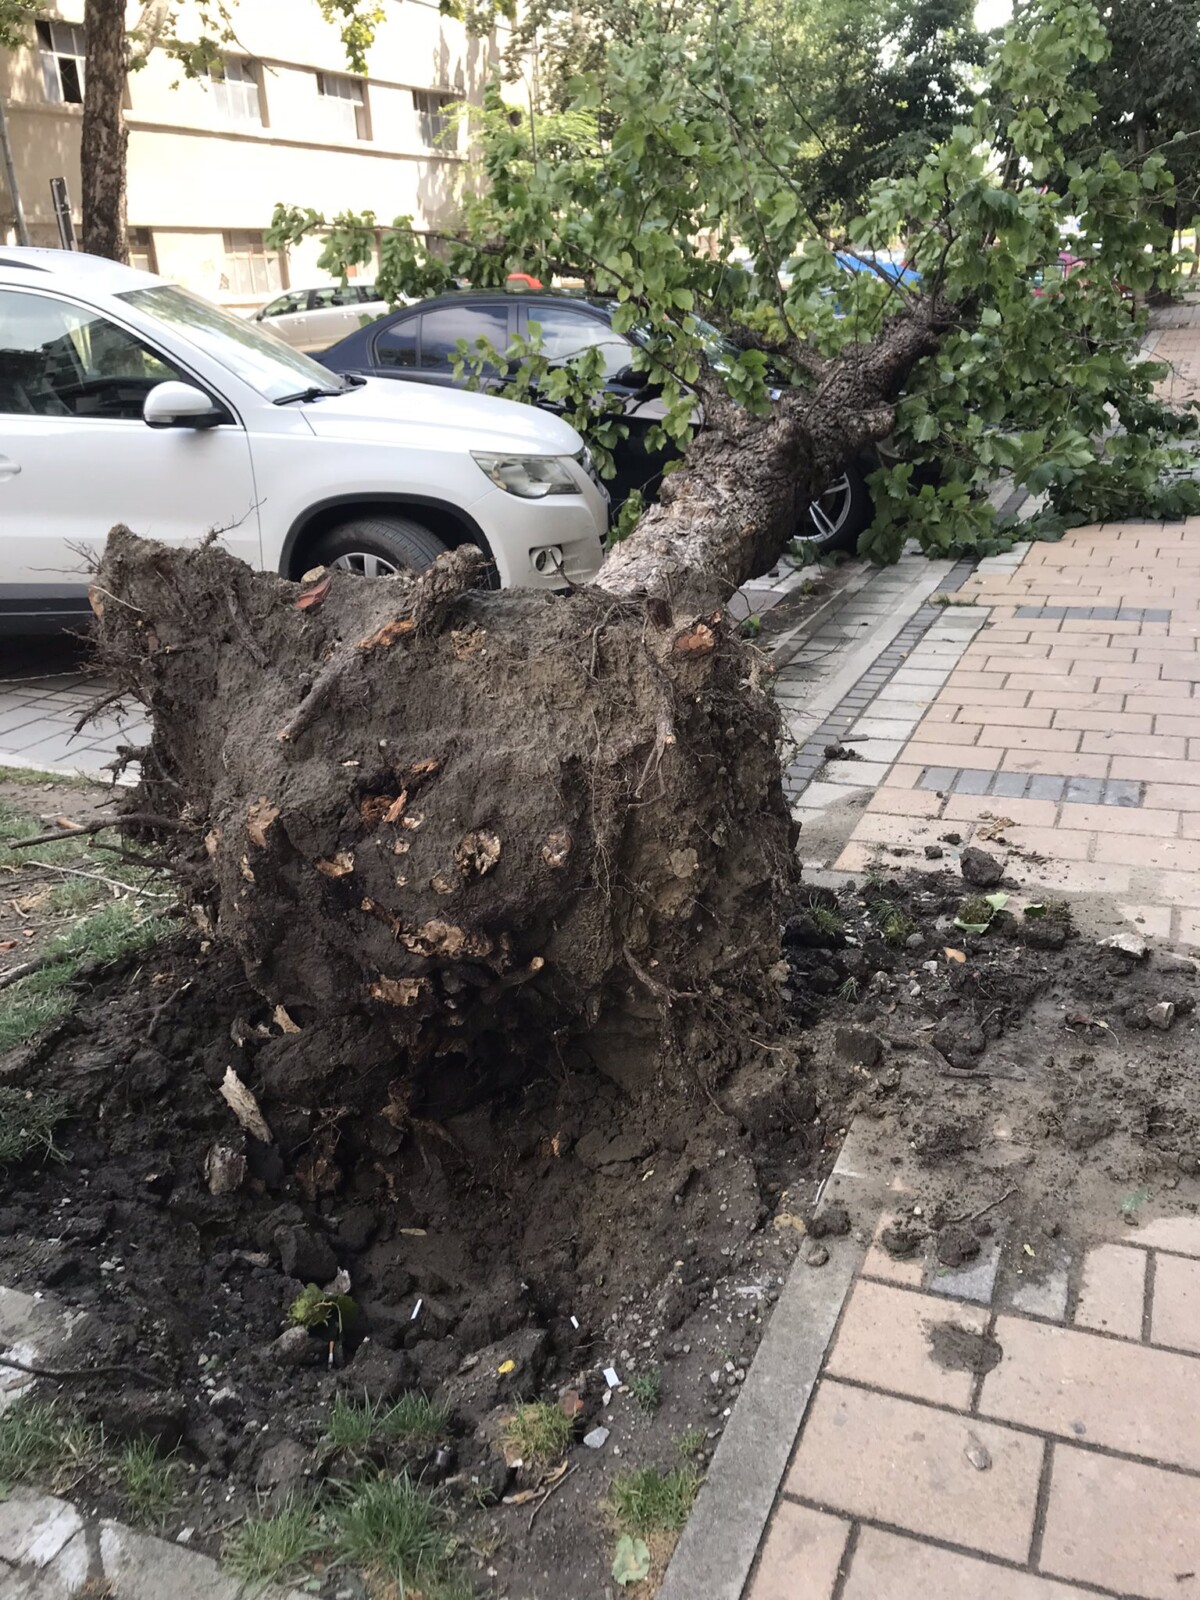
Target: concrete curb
{"type": "Point", "coordinates": [717, 1550]}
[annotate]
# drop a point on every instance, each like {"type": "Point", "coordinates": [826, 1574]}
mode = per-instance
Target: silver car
{"type": "Point", "coordinates": [313, 319]}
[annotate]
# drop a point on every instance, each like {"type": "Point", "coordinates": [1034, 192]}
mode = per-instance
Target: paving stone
{"type": "Point", "coordinates": [887, 1567]}
{"type": "Point", "coordinates": [65, 1577]}
{"type": "Point", "coordinates": [1175, 1314]}
{"type": "Point", "coordinates": [1080, 1385]}
{"type": "Point", "coordinates": [1112, 1291]}
{"type": "Point", "coordinates": [1133, 1529]}
{"type": "Point", "coordinates": [886, 1339]}
{"type": "Point", "coordinates": [894, 1461]}
{"type": "Point", "coordinates": [976, 1281]}
{"type": "Point", "coordinates": [35, 1527]}
{"type": "Point", "coordinates": [143, 1568]}
{"type": "Point", "coordinates": [1043, 1297]}
{"type": "Point", "coordinates": [1180, 1235]}
{"type": "Point", "coordinates": [802, 1555]}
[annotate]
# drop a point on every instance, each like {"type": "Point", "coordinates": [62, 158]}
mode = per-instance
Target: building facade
{"type": "Point", "coordinates": [280, 118]}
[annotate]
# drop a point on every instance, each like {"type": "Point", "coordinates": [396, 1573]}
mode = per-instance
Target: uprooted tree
{"type": "Point", "coordinates": [466, 831]}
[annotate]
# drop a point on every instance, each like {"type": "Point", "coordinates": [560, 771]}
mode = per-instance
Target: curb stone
{"type": "Point", "coordinates": [719, 1543]}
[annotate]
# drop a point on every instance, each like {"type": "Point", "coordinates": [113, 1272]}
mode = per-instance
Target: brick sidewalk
{"type": "Point", "coordinates": [1071, 715]}
{"type": "Point", "coordinates": [957, 1452]}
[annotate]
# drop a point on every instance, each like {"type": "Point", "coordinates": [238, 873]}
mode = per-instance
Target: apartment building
{"type": "Point", "coordinates": [280, 118]}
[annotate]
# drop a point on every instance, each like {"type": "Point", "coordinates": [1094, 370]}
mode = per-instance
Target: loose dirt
{"type": "Point", "coordinates": [515, 1248]}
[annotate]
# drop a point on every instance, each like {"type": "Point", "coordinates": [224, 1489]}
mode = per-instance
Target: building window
{"type": "Point", "coordinates": [235, 91]}
{"type": "Point", "coordinates": [250, 268]}
{"type": "Point", "coordinates": [433, 113]}
{"type": "Point", "coordinates": [62, 48]}
{"type": "Point", "coordinates": [344, 102]}
{"type": "Point", "coordinates": [141, 250]}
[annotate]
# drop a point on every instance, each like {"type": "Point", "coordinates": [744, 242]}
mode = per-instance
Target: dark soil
{"type": "Point", "coordinates": [560, 1223]}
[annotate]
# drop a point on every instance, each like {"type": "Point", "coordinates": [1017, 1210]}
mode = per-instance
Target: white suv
{"type": "Point", "coordinates": [124, 398]}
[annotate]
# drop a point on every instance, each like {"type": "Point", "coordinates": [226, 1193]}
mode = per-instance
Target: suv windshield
{"type": "Point", "coordinates": [276, 370]}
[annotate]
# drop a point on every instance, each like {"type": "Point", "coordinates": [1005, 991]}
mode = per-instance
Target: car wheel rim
{"type": "Point", "coordinates": [366, 565]}
{"type": "Point", "coordinates": [829, 511]}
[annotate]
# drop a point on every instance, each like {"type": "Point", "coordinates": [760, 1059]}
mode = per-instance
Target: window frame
{"type": "Point", "coordinates": [252, 252]}
{"type": "Point", "coordinates": [330, 87]}
{"type": "Point", "coordinates": [243, 72]}
{"type": "Point", "coordinates": [89, 313]}
{"type": "Point", "coordinates": [52, 56]}
{"type": "Point", "coordinates": [433, 121]}
{"type": "Point", "coordinates": [504, 307]}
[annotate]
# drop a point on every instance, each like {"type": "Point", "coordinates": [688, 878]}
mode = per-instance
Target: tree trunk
{"type": "Point", "coordinates": [488, 831]}
{"type": "Point", "coordinates": [105, 137]}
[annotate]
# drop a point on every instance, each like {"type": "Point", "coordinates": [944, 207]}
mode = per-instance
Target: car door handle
{"type": "Point", "coordinates": [9, 468]}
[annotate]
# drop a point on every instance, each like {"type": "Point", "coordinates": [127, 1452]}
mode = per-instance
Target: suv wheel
{"type": "Point", "coordinates": [379, 547]}
{"type": "Point", "coordinates": [836, 518]}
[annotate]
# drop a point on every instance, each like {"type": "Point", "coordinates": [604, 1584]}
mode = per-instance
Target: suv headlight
{"type": "Point", "coordinates": [531, 477]}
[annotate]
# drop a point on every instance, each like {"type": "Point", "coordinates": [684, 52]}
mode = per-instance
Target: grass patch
{"type": "Point", "coordinates": [30, 778]}
{"type": "Point", "coordinates": [650, 1501]}
{"type": "Point", "coordinates": [353, 1424]}
{"type": "Point", "coordinates": [646, 1389]}
{"type": "Point", "coordinates": [27, 1123]}
{"type": "Point", "coordinates": [896, 925]}
{"type": "Point", "coordinates": [393, 1527]}
{"type": "Point", "coordinates": [538, 1433]}
{"type": "Point", "coordinates": [849, 990]}
{"type": "Point", "coordinates": [690, 1444]}
{"type": "Point", "coordinates": [149, 1481]}
{"type": "Point", "coordinates": [117, 930]}
{"type": "Point", "coordinates": [44, 1442]}
{"type": "Point", "coordinates": [266, 1549]}
{"type": "Point", "coordinates": [17, 824]}
{"type": "Point", "coordinates": [826, 919]}
{"type": "Point", "coordinates": [975, 911]}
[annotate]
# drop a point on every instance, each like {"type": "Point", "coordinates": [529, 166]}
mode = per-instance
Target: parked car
{"type": "Point", "coordinates": [124, 398]}
{"type": "Point", "coordinates": [313, 319]}
{"type": "Point", "coordinates": [418, 343]}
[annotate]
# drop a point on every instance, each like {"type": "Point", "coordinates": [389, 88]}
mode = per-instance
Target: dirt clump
{"type": "Point", "coordinates": [957, 1349]}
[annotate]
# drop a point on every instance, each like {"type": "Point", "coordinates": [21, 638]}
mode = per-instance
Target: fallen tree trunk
{"type": "Point", "coordinates": [493, 826]}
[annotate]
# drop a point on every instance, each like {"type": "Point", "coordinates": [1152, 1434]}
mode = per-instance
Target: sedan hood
{"type": "Point", "coordinates": [441, 418]}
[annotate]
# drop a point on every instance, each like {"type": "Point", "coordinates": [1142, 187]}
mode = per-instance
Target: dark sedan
{"type": "Point", "coordinates": [419, 343]}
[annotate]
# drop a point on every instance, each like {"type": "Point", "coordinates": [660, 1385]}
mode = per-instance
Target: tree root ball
{"type": "Point", "coordinates": [477, 820]}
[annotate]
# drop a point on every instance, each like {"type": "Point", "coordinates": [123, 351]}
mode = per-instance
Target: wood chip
{"type": "Point", "coordinates": [259, 818]}
{"type": "Point", "coordinates": [244, 1106]}
{"type": "Point", "coordinates": [283, 1022]}
{"type": "Point", "coordinates": [339, 866]}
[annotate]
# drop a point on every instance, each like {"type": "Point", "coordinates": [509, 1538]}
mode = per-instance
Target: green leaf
{"type": "Point", "coordinates": [632, 1561]}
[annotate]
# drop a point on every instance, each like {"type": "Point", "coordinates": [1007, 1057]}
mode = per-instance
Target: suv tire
{"type": "Point", "coordinates": [844, 511]}
{"type": "Point", "coordinates": [379, 547]}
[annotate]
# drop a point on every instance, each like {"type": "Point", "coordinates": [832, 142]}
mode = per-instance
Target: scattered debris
{"type": "Point", "coordinates": [596, 1439]}
{"type": "Point", "coordinates": [1126, 943]}
{"type": "Point", "coordinates": [1162, 1015]}
{"type": "Point", "coordinates": [979, 868]}
{"type": "Point", "coordinates": [977, 1453]}
{"type": "Point", "coordinates": [244, 1106]}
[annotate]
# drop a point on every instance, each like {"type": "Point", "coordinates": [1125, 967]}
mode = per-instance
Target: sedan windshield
{"type": "Point", "coordinates": [267, 364]}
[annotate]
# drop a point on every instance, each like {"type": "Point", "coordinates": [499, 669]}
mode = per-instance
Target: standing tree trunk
{"type": "Point", "coordinates": [105, 136]}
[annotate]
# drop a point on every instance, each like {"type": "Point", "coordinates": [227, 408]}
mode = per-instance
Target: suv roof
{"type": "Point", "coordinates": [72, 266]}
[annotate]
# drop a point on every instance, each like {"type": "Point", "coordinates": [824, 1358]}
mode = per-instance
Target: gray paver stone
{"type": "Point", "coordinates": [35, 1527]}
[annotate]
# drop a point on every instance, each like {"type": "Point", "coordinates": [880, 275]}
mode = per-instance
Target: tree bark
{"type": "Point", "coordinates": [105, 137]}
{"type": "Point", "coordinates": [491, 831]}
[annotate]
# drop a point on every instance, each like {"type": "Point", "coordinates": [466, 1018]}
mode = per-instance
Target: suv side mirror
{"type": "Point", "coordinates": [180, 405]}
{"type": "Point", "coordinates": [630, 378]}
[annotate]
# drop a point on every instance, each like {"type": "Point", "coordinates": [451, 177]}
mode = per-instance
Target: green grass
{"type": "Point", "coordinates": [826, 919]}
{"type": "Point", "coordinates": [116, 930]}
{"type": "Point", "coordinates": [27, 1123]}
{"type": "Point", "coordinates": [17, 824]}
{"type": "Point", "coordinates": [394, 1527]}
{"type": "Point", "coordinates": [646, 1389]}
{"type": "Point", "coordinates": [150, 1481]}
{"type": "Point", "coordinates": [976, 911]}
{"type": "Point", "coordinates": [649, 1501]}
{"type": "Point", "coordinates": [894, 923]}
{"type": "Point", "coordinates": [849, 990]}
{"type": "Point", "coordinates": [353, 1425]}
{"type": "Point", "coordinates": [266, 1549]}
{"type": "Point", "coordinates": [26, 777]}
{"type": "Point", "coordinates": [539, 1433]}
{"type": "Point", "coordinates": [691, 1443]}
{"type": "Point", "coordinates": [42, 1441]}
